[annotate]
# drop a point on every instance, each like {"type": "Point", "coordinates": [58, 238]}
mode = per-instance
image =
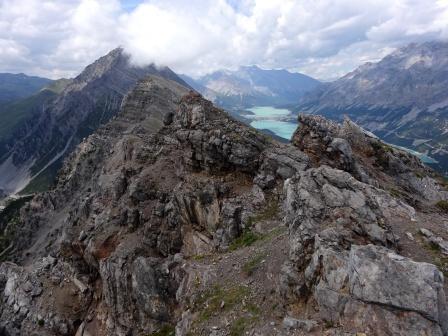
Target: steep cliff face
{"type": "Point", "coordinates": [58, 124]}
{"type": "Point", "coordinates": [173, 217]}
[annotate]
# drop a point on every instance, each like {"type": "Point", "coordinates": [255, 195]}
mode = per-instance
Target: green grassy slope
{"type": "Point", "coordinates": [18, 86]}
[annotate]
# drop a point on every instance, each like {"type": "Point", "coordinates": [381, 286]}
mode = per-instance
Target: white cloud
{"type": "Point", "coordinates": [323, 38]}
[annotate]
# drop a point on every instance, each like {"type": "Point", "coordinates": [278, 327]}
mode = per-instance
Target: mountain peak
{"type": "Point", "coordinates": [77, 109]}
{"type": "Point", "coordinates": [115, 57]}
{"type": "Point", "coordinates": [251, 85]}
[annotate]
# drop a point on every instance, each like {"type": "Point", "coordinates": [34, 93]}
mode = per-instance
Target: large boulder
{"type": "Point", "coordinates": [341, 257]}
{"type": "Point", "coordinates": [371, 289]}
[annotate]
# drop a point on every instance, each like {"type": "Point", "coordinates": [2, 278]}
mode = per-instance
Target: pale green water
{"type": "Point", "coordinates": [283, 129]}
{"type": "Point", "coordinates": [268, 111]}
{"type": "Point", "coordinates": [266, 117]}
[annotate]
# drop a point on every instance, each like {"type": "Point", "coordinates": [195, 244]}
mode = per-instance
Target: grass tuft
{"type": "Point", "coordinates": [218, 299]}
{"type": "Point", "coordinates": [253, 264]}
{"type": "Point", "coordinates": [442, 205]}
{"type": "Point", "coordinates": [167, 330]}
{"type": "Point", "coordinates": [269, 212]}
{"type": "Point", "coordinates": [247, 238]}
{"type": "Point", "coordinates": [239, 327]}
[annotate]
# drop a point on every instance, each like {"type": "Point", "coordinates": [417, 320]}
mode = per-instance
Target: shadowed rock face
{"type": "Point", "coordinates": [155, 215]}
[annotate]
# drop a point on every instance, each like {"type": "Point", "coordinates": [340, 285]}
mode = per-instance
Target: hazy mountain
{"type": "Point", "coordinates": [403, 98]}
{"type": "Point", "coordinates": [249, 86]}
{"type": "Point", "coordinates": [14, 114]}
{"type": "Point", "coordinates": [57, 119]}
{"type": "Point", "coordinates": [175, 219]}
{"type": "Point", "coordinates": [16, 86]}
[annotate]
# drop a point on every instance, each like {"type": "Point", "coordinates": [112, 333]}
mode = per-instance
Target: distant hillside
{"type": "Point", "coordinates": [12, 115]}
{"type": "Point", "coordinates": [17, 86]}
{"type": "Point", "coordinates": [249, 86]}
{"type": "Point", "coordinates": [403, 99]}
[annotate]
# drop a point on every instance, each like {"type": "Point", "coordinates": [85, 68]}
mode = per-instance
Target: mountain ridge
{"type": "Point", "coordinates": [250, 85]}
{"type": "Point", "coordinates": [87, 101]}
{"type": "Point", "coordinates": [402, 98]}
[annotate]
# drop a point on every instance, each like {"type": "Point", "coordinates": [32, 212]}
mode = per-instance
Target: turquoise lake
{"type": "Point", "coordinates": [267, 117]}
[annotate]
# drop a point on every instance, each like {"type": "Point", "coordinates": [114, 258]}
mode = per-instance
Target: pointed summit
{"type": "Point", "coordinates": [56, 126]}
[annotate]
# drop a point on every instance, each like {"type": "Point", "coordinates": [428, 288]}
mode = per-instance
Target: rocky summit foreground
{"type": "Point", "coordinates": [175, 219]}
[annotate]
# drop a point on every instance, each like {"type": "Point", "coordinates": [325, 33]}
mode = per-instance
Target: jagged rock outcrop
{"type": "Point", "coordinates": [342, 257]}
{"type": "Point", "coordinates": [50, 295]}
{"type": "Point", "coordinates": [172, 217]}
{"type": "Point", "coordinates": [350, 148]}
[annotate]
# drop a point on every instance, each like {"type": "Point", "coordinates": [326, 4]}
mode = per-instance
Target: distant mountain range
{"type": "Point", "coordinates": [250, 86]}
{"type": "Point", "coordinates": [17, 86]}
{"type": "Point", "coordinates": [39, 131]}
{"type": "Point", "coordinates": [403, 99]}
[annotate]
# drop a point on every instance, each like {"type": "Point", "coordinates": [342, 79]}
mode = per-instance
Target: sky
{"type": "Point", "coordinates": [321, 38]}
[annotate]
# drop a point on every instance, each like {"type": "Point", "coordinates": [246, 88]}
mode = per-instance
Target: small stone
{"type": "Point", "coordinates": [82, 236]}
{"type": "Point", "coordinates": [293, 323]}
{"type": "Point", "coordinates": [426, 232]}
{"type": "Point", "coordinates": [410, 236]}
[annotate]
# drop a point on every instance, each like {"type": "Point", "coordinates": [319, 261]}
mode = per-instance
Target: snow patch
{"type": "Point", "coordinates": [418, 142]}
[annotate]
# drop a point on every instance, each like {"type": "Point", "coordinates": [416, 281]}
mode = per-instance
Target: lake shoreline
{"type": "Point", "coordinates": [283, 124]}
{"type": "Point", "coordinates": [279, 121]}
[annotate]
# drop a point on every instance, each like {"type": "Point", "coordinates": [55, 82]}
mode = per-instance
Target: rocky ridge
{"type": "Point", "coordinates": [57, 124]}
{"type": "Point", "coordinates": [173, 217]}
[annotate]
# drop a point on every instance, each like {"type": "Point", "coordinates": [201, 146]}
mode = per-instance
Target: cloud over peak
{"type": "Point", "coordinates": [322, 38]}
